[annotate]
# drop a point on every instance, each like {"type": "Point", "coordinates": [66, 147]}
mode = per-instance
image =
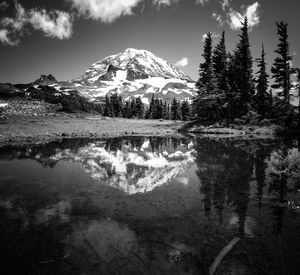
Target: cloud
{"type": "Point", "coordinates": [225, 4]}
{"type": "Point", "coordinates": [202, 2]}
{"type": "Point", "coordinates": [213, 35]}
{"type": "Point", "coordinates": [218, 18]}
{"type": "Point", "coordinates": [106, 11]}
{"type": "Point", "coordinates": [5, 39]}
{"type": "Point", "coordinates": [55, 23]}
{"type": "Point", "coordinates": [182, 62]}
{"type": "Point", "coordinates": [235, 18]}
{"type": "Point", "coordinates": [16, 23]}
{"type": "Point", "coordinates": [3, 5]}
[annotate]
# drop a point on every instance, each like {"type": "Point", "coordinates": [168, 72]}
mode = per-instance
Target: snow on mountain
{"type": "Point", "coordinates": [134, 73]}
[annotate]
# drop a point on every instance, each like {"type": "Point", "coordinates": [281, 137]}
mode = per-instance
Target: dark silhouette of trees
{"type": "Point", "coordinates": [208, 104]}
{"type": "Point", "coordinates": [262, 85]}
{"type": "Point", "coordinates": [219, 62]}
{"type": "Point", "coordinates": [175, 110]}
{"type": "Point", "coordinates": [281, 69]}
{"type": "Point", "coordinates": [243, 78]}
{"type": "Point", "coordinates": [185, 110]}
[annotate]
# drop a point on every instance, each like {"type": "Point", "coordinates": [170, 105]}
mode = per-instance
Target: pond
{"type": "Point", "coordinates": [148, 205]}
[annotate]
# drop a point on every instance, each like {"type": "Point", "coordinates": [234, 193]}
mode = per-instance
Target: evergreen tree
{"type": "Point", "coordinates": [158, 109]}
{"type": "Point", "coordinates": [185, 110]}
{"type": "Point", "coordinates": [298, 84]}
{"type": "Point", "coordinates": [281, 69]}
{"type": "Point", "coordinates": [207, 102]}
{"type": "Point", "coordinates": [152, 107]}
{"type": "Point", "coordinates": [262, 85]}
{"type": "Point", "coordinates": [219, 61]}
{"type": "Point", "coordinates": [139, 108]}
{"type": "Point", "coordinates": [205, 68]}
{"type": "Point", "coordinates": [107, 107]}
{"type": "Point", "coordinates": [243, 76]}
{"type": "Point", "coordinates": [165, 111]}
{"type": "Point", "coordinates": [174, 109]}
{"type": "Point", "coordinates": [116, 105]}
{"type": "Point", "coordinates": [133, 107]}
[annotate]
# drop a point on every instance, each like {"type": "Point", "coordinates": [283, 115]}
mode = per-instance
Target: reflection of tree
{"type": "Point", "coordinates": [224, 171]}
{"type": "Point", "coordinates": [42, 153]}
{"type": "Point", "coordinates": [260, 172]}
{"type": "Point", "coordinates": [278, 186]}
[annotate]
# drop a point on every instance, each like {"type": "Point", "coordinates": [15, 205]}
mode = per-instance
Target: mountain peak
{"type": "Point", "coordinates": [46, 80]}
{"type": "Point", "coordinates": [140, 63]}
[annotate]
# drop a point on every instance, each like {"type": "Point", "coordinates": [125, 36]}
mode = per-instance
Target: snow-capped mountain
{"type": "Point", "coordinates": [134, 73]}
{"type": "Point", "coordinates": [134, 64]}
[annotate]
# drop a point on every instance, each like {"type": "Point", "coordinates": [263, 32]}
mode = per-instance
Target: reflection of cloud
{"type": "Point", "coordinates": [130, 171]}
{"type": "Point", "coordinates": [60, 210]}
{"type": "Point", "coordinates": [248, 225]}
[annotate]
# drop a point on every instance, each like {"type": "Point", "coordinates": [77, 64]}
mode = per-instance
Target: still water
{"type": "Point", "coordinates": [148, 205]}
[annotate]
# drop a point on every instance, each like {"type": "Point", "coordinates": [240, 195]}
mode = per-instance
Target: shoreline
{"type": "Point", "coordinates": [34, 130]}
{"type": "Point", "coordinates": [24, 130]}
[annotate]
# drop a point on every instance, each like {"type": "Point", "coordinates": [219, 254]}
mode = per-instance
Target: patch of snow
{"type": "Point", "coordinates": [145, 100]}
{"type": "Point", "coordinates": [3, 105]}
{"type": "Point", "coordinates": [120, 75]}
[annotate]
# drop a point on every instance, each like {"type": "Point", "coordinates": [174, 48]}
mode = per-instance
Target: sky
{"type": "Point", "coordinates": [64, 37]}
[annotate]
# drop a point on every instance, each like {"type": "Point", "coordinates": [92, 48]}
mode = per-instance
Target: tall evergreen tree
{"type": "Point", "coordinates": [206, 83]}
{"type": "Point", "coordinates": [219, 61]}
{"type": "Point", "coordinates": [207, 104]}
{"type": "Point", "coordinates": [206, 75]}
{"type": "Point", "coordinates": [262, 84]}
{"type": "Point", "coordinates": [281, 69]}
{"type": "Point", "coordinates": [243, 82]}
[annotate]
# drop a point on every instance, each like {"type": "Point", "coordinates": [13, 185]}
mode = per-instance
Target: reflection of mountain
{"type": "Point", "coordinates": [131, 164]}
{"type": "Point", "coordinates": [128, 169]}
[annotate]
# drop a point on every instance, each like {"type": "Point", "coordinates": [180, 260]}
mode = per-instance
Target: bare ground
{"type": "Point", "coordinates": [16, 130]}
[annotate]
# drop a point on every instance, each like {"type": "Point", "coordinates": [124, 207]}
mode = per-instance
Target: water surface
{"type": "Point", "coordinates": [147, 205]}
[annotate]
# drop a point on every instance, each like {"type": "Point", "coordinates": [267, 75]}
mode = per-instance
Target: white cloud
{"type": "Point", "coordinates": [202, 2]}
{"type": "Point", "coordinates": [5, 39]}
{"type": "Point", "coordinates": [54, 24]}
{"type": "Point", "coordinates": [225, 4]}
{"type": "Point", "coordinates": [213, 35]}
{"type": "Point", "coordinates": [182, 62]}
{"type": "Point", "coordinates": [218, 18]}
{"type": "Point", "coordinates": [105, 10]}
{"type": "Point", "coordinates": [18, 22]}
{"type": "Point", "coordinates": [236, 18]}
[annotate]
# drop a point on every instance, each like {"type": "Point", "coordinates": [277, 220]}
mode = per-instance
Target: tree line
{"type": "Point", "coordinates": [228, 90]}
{"type": "Point", "coordinates": [115, 106]}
